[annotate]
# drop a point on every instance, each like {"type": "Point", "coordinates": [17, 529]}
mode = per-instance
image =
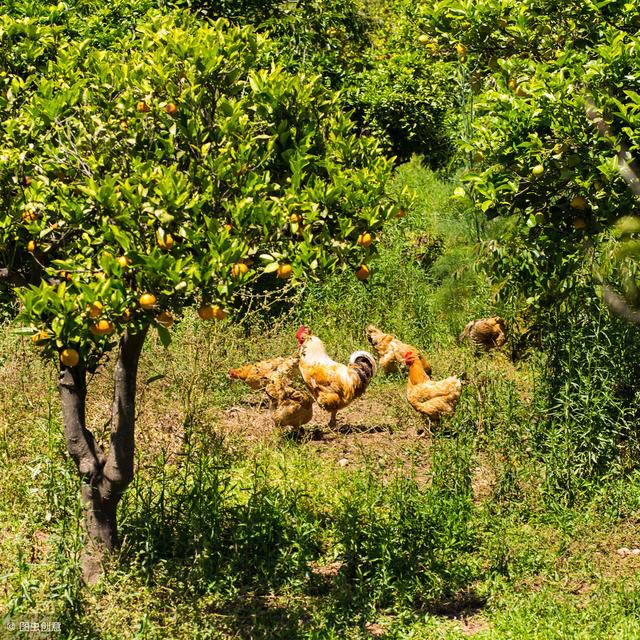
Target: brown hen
{"type": "Point", "coordinates": [486, 333]}
{"type": "Point", "coordinates": [431, 398]}
{"type": "Point", "coordinates": [391, 350]}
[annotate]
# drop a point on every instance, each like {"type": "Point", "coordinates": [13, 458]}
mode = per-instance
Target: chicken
{"type": "Point", "coordinates": [485, 332]}
{"type": "Point", "coordinates": [332, 384]}
{"type": "Point", "coordinates": [391, 350]}
{"type": "Point", "coordinates": [293, 407]}
{"type": "Point", "coordinates": [260, 374]}
{"type": "Point", "coordinates": [432, 398]}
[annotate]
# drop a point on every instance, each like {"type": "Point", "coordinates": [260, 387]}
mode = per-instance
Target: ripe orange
{"type": "Point", "coordinates": [219, 313]}
{"type": "Point", "coordinates": [142, 107]}
{"type": "Point", "coordinates": [171, 108]}
{"type": "Point", "coordinates": [206, 312]}
{"type": "Point", "coordinates": [40, 337]}
{"type": "Point", "coordinates": [123, 261]}
{"type": "Point", "coordinates": [285, 271]}
{"type": "Point", "coordinates": [239, 269]}
{"type": "Point", "coordinates": [69, 357]}
{"type": "Point", "coordinates": [363, 272]}
{"type": "Point", "coordinates": [165, 241]}
{"type": "Point", "coordinates": [147, 301]}
{"type": "Point", "coordinates": [365, 240]}
{"type": "Point", "coordinates": [29, 215]}
{"type": "Point", "coordinates": [295, 218]}
{"type": "Point", "coordinates": [102, 328]}
{"type": "Point", "coordinates": [165, 319]}
{"type": "Point", "coordinates": [31, 246]}
{"type": "Point", "coordinates": [95, 309]}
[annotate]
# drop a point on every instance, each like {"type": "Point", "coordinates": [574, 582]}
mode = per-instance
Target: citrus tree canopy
{"type": "Point", "coordinates": [175, 164]}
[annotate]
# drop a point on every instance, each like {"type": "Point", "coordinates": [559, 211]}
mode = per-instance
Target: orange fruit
{"type": "Point", "coordinates": [205, 312]}
{"type": "Point", "coordinates": [147, 301]}
{"type": "Point", "coordinates": [123, 261]}
{"type": "Point", "coordinates": [142, 107]}
{"type": "Point", "coordinates": [239, 269]}
{"type": "Point", "coordinates": [126, 316]}
{"type": "Point", "coordinates": [538, 170]}
{"type": "Point", "coordinates": [365, 239]}
{"type": "Point", "coordinates": [40, 337]}
{"type": "Point", "coordinates": [580, 224]}
{"type": "Point", "coordinates": [461, 50]}
{"type": "Point", "coordinates": [219, 313]}
{"type": "Point", "coordinates": [165, 319]}
{"type": "Point", "coordinates": [295, 218]}
{"type": "Point", "coordinates": [171, 108]}
{"type": "Point", "coordinates": [95, 309]}
{"type": "Point", "coordinates": [69, 357]}
{"type": "Point", "coordinates": [284, 271]}
{"type": "Point", "coordinates": [101, 328]}
{"type": "Point", "coordinates": [31, 246]}
{"type": "Point", "coordinates": [363, 272]}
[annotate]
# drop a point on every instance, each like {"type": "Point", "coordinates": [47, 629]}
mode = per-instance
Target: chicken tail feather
{"type": "Point", "coordinates": [364, 364]}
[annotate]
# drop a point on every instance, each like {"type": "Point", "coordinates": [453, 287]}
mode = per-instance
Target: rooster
{"type": "Point", "coordinates": [432, 398]}
{"type": "Point", "coordinates": [485, 332]}
{"type": "Point", "coordinates": [332, 384]}
{"type": "Point", "coordinates": [260, 374]}
{"type": "Point", "coordinates": [293, 407]}
{"type": "Point", "coordinates": [391, 350]}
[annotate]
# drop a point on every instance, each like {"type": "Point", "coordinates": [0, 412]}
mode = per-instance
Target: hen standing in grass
{"type": "Point", "coordinates": [293, 407]}
{"type": "Point", "coordinates": [485, 332]}
{"type": "Point", "coordinates": [332, 384]}
{"type": "Point", "coordinates": [260, 374]}
{"type": "Point", "coordinates": [391, 350]}
{"type": "Point", "coordinates": [432, 398]}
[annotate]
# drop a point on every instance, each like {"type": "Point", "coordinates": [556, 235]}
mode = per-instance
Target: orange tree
{"type": "Point", "coordinates": [552, 132]}
{"type": "Point", "coordinates": [555, 106]}
{"type": "Point", "coordinates": [169, 168]}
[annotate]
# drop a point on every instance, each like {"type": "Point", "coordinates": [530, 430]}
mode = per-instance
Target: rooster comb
{"type": "Point", "coordinates": [302, 331]}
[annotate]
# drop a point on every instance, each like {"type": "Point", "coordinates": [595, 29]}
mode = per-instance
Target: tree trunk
{"type": "Point", "coordinates": [106, 477]}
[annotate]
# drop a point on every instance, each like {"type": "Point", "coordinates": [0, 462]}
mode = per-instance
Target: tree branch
{"type": "Point", "coordinates": [118, 470]}
{"type": "Point", "coordinates": [83, 448]}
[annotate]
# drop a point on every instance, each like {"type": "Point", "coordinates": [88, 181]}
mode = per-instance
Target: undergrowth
{"type": "Point", "coordinates": [503, 522]}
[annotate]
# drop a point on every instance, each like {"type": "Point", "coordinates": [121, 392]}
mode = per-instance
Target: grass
{"type": "Point", "coordinates": [233, 531]}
